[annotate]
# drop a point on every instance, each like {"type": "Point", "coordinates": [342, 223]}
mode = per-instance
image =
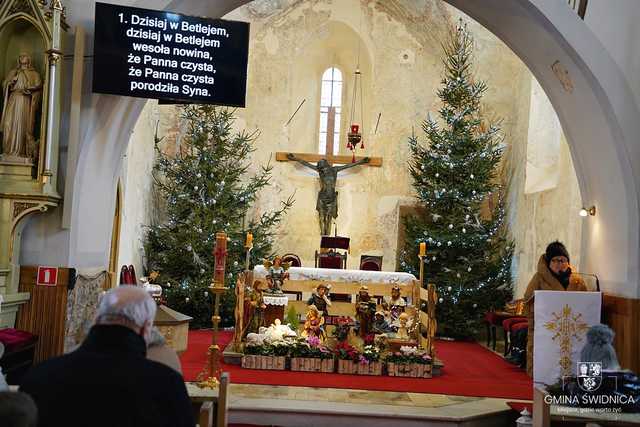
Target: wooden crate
{"type": "Point", "coordinates": [413, 370]}
{"type": "Point", "coordinates": [252, 361]}
{"type": "Point", "coordinates": [312, 364]}
{"type": "Point", "coordinates": [356, 368]}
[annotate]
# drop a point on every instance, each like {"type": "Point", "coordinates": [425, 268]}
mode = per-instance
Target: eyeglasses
{"type": "Point", "coordinates": [559, 260]}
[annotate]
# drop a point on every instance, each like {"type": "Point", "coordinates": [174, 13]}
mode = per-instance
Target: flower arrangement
{"type": "Point", "coordinates": [370, 354]}
{"type": "Point", "coordinates": [343, 326]}
{"type": "Point", "coordinates": [345, 351]}
{"type": "Point", "coordinates": [409, 354]}
{"type": "Point", "coordinates": [276, 348]}
{"type": "Point", "coordinates": [311, 347]}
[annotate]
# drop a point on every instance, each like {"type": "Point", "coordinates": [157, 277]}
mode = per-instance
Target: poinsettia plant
{"type": "Point", "coordinates": [345, 351]}
{"type": "Point", "coordinates": [409, 354]}
{"type": "Point", "coordinates": [310, 347]}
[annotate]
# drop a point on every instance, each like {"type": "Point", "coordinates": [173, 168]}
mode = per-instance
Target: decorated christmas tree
{"type": "Point", "coordinates": [455, 176]}
{"type": "Point", "coordinates": [207, 188]}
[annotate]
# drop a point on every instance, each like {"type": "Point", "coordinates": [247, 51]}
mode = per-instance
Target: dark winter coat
{"type": "Point", "coordinates": [544, 280]}
{"type": "Point", "coordinates": [108, 382]}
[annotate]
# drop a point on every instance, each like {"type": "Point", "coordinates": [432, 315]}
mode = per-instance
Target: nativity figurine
{"type": "Point", "coordinates": [314, 323]}
{"type": "Point", "coordinates": [276, 274]}
{"type": "Point", "coordinates": [255, 308]}
{"type": "Point", "coordinates": [365, 310]}
{"type": "Point", "coordinates": [320, 298]}
{"type": "Point", "coordinates": [395, 306]}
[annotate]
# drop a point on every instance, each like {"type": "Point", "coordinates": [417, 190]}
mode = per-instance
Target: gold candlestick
{"type": "Point", "coordinates": [209, 377]}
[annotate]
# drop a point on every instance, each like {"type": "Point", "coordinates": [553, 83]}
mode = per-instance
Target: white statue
{"type": "Point", "coordinates": [21, 93]}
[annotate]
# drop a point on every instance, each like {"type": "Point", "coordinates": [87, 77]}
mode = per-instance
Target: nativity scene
{"type": "Point", "coordinates": [368, 211]}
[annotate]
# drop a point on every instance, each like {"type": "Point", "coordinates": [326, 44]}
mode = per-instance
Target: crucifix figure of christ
{"type": "Point", "coordinates": [327, 203]}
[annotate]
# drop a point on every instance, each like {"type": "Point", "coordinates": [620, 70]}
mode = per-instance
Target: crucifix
{"type": "Point", "coordinates": [327, 202]}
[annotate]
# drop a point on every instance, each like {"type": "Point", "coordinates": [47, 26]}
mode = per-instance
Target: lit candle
{"type": "Point", "coordinates": [423, 248]}
{"type": "Point", "coordinates": [249, 241]}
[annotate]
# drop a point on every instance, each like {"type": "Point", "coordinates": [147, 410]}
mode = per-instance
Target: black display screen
{"type": "Point", "coordinates": [167, 56]}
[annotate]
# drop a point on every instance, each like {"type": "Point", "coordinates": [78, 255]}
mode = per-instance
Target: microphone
{"type": "Point", "coordinates": [590, 275]}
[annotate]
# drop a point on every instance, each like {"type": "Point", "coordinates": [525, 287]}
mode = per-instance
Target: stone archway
{"type": "Point", "coordinates": [599, 118]}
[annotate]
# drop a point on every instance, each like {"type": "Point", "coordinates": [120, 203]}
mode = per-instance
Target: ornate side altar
{"type": "Point", "coordinates": [30, 103]}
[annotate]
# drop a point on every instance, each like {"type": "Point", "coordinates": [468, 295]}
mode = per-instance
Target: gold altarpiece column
{"type": "Point", "coordinates": [30, 104]}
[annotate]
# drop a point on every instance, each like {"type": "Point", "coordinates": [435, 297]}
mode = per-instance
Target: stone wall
{"type": "Point", "coordinates": [292, 43]}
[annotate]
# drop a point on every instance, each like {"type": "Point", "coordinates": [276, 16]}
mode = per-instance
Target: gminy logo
{"type": "Point", "coordinates": [589, 375]}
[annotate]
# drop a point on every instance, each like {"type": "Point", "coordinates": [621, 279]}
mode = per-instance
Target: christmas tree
{"type": "Point", "coordinates": [207, 188]}
{"type": "Point", "coordinates": [469, 256]}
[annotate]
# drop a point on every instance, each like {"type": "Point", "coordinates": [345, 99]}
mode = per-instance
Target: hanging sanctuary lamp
{"type": "Point", "coordinates": [354, 137]}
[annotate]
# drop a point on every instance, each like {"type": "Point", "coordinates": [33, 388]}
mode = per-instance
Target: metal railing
{"type": "Point", "coordinates": [580, 6]}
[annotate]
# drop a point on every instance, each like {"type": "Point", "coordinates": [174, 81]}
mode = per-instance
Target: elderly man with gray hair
{"type": "Point", "coordinates": [108, 381]}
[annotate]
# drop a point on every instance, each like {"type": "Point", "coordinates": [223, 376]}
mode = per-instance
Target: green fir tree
{"type": "Point", "coordinates": [207, 188]}
{"type": "Point", "coordinates": [469, 255]}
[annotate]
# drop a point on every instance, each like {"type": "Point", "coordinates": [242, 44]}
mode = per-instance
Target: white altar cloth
{"type": "Point", "coordinates": [332, 275]}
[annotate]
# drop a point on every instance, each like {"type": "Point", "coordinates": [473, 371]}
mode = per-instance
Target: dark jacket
{"type": "Point", "coordinates": [108, 381]}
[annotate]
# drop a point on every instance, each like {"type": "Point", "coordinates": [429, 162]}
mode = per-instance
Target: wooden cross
{"type": "Point", "coordinates": [333, 160]}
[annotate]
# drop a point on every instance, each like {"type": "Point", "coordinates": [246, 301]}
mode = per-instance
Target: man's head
{"type": "Point", "coordinates": [321, 289]}
{"type": "Point", "coordinates": [17, 409]}
{"type": "Point", "coordinates": [277, 261]}
{"type": "Point", "coordinates": [557, 257]}
{"type": "Point", "coordinates": [128, 306]}
{"type": "Point", "coordinates": [395, 292]}
{"type": "Point", "coordinates": [323, 164]}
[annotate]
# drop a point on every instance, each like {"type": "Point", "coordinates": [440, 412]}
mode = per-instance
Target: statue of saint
{"type": "Point", "coordinates": [21, 94]}
{"type": "Point", "coordinates": [327, 204]}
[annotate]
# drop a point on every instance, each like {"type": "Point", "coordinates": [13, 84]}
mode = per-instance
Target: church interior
{"type": "Point", "coordinates": [360, 235]}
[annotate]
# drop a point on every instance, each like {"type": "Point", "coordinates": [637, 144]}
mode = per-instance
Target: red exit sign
{"type": "Point", "coordinates": [47, 276]}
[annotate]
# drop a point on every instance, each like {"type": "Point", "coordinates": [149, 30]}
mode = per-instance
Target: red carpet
{"type": "Point", "coordinates": [469, 370]}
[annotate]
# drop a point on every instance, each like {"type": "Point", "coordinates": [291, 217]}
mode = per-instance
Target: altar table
{"type": "Point", "coordinates": [304, 281]}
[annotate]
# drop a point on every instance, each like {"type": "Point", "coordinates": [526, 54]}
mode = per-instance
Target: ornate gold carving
{"type": "Point", "coordinates": [54, 56]}
{"type": "Point", "coordinates": [19, 207]}
{"type": "Point", "coordinates": [21, 6]}
{"type": "Point", "coordinates": [567, 327]}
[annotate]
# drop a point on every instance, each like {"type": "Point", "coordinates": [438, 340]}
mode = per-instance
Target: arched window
{"type": "Point", "coordinates": [330, 108]}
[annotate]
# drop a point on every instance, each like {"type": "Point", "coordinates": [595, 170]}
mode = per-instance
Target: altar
{"type": "Point", "coordinates": [303, 281]}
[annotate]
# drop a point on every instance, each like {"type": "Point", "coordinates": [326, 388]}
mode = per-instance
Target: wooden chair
{"type": "Point", "coordinates": [293, 259]}
{"type": "Point", "coordinates": [220, 417]}
{"type": "Point", "coordinates": [370, 263]}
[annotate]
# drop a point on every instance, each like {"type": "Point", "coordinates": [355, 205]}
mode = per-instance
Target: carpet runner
{"type": "Point", "coordinates": [469, 370]}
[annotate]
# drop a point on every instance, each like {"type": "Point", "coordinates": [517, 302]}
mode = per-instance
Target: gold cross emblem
{"type": "Point", "coordinates": [567, 327]}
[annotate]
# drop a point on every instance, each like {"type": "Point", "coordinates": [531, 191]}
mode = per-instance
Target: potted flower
{"type": "Point", "coordinates": [409, 362]}
{"type": "Point", "coordinates": [310, 355]}
{"type": "Point", "coordinates": [266, 356]}
{"type": "Point", "coordinates": [353, 361]}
